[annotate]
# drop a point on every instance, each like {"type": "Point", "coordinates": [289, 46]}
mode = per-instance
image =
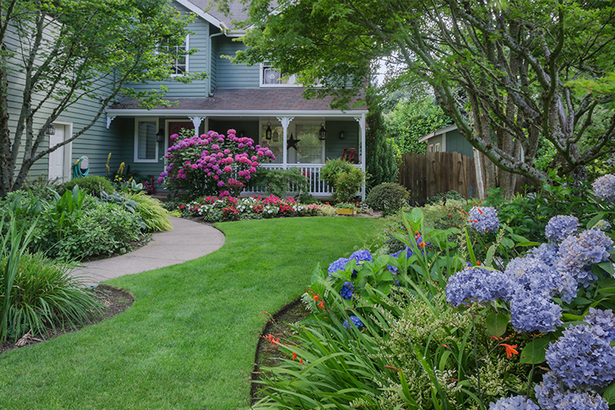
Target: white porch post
{"type": "Point", "coordinates": [196, 121]}
{"type": "Point", "coordinates": [361, 121]}
{"type": "Point", "coordinates": [285, 122]}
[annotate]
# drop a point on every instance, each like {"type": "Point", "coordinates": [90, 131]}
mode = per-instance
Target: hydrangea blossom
{"type": "Point", "coordinates": [534, 312]}
{"type": "Point", "coordinates": [546, 253]}
{"type": "Point", "coordinates": [580, 252]}
{"type": "Point", "coordinates": [581, 359]}
{"type": "Point", "coordinates": [560, 227]}
{"type": "Point", "coordinates": [479, 284]}
{"type": "Point", "coordinates": [514, 403]}
{"type": "Point", "coordinates": [535, 275]}
{"type": "Point", "coordinates": [552, 394]}
{"type": "Point", "coordinates": [603, 225]}
{"type": "Point", "coordinates": [408, 251]}
{"type": "Point", "coordinates": [354, 322]}
{"type": "Point", "coordinates": [484, 219]}
{"type": "Point", "coordinates": [337, 265]}
{"type": "Point", "coordinates": [362, 255]}
{"type": "Point", "coordinates": [604, 188]}
{"type": "Point", "coordinates": [347, 290]}
{"type": "Point", "coordinates": [602, 323]}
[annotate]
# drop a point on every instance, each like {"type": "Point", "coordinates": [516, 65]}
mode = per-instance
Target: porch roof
{"type": "Point", "coordinates": [247, 101]}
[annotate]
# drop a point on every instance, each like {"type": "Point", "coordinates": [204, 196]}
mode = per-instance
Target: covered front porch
{"type": "Point", "coordinates": [299, 138]}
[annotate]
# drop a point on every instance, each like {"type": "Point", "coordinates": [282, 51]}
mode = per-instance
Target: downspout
{"type": "Point", "coordinates": [209, 90]}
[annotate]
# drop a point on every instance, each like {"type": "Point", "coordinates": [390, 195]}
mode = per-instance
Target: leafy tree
{"type": "Point", "coordinates": [499, 69]}
{"type": "Point", "coordinates": [411, 120]}
{"type": "Point", "coordinates": [381, 164]}
{"type": "Point", "coordinates": [56, 53]}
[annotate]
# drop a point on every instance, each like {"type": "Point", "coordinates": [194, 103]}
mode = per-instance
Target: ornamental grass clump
{"type": "Point", "coordinates": [207, 164]}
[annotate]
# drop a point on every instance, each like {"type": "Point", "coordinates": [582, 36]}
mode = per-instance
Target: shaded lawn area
{"type": "Point", "coordinates": [188, 341]}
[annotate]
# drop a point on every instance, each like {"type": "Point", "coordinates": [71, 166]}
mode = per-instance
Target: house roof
{"type": "Point", "coordinates": [215, 16]}
{"type": "Point", "coordinates": [438, 132]}
{"type": "Point", "coordinates": [252, 100]}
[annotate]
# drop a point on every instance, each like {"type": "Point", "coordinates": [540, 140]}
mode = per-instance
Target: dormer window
{"type": "Point", "coordinates": [270, 77]}
{"type": "Point", "coordinates": [178, 57]}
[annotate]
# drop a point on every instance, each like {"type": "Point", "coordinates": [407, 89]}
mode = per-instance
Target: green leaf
{"type": "Point", "coordinates": [594, 220]}
{"type": "Point", "coordinates": [609, 394]}
{"type": "Point", "coordinates": [508, 243]}
{"type": "Point", "coordinates": [528, 244]}
{"type": "Point", "coordinates": [497, 323]}
{"type": "Point", "coordinates": [607, 266]}
{"type": "Point", "coordinates": [534, 352]}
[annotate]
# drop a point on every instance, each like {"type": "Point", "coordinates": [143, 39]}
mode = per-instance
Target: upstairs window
{"type": "Point", "coordinates": [178, 57]}
{"type": "Point", "coordinates": [271, 77]}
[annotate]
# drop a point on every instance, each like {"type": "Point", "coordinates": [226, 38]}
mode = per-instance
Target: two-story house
{"type": "Point", "coordinates": [256, 101]}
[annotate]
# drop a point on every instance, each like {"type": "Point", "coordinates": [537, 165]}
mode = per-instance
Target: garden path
{"type": "Point", "coordinates": [188, 240]}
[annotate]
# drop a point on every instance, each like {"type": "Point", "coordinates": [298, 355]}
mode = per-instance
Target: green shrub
{"type": "Point", "coordinates": [333, 168]}
{"type": "Point", "coordinates": [280, 182]}
{"type": "Point", "coordinates": [388, 198]}
{"type": "Point", "coordinates": [454, 195]}
{"type": "Point", "coordinates": [46, 296]}
{"type": "Point", "coordinates": [347, 184]}
{"type": "Point", "coordinates": [151, 212]}
{"type": "Point", "coordinates": [91, 184]}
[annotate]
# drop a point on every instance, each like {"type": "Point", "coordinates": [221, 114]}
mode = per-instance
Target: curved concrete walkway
{"type": "Point", "coordinates": [188, 240]}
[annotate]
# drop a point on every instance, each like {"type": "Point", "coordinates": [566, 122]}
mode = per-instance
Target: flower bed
{"type": "Point", "coordinates": [215, 209]}
{"type": "Point", "coordinates": [464, 318]}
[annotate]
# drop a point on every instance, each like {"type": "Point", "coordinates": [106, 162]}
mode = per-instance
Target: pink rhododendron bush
{"type": "Point", "coordinates": [212, 164]}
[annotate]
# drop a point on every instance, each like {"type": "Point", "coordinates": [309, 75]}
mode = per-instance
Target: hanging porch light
{"type": "Point", "coordinates": [322, 133]}
{"type": "Point", "coordinates": [268, 132]}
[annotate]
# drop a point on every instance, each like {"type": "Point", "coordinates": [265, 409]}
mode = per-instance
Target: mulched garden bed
{"type": "Point", "coordinates": [114, 299]}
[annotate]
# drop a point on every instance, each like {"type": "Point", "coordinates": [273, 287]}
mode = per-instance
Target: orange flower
{"type": "Point", "coordinates": [321, 305]}
{"type": "Point", "coordinates": [294, 355]}
{"type": "Point", "coordinates": [316, 298]}
{"type": "Point", "coordinates": [510, 350]}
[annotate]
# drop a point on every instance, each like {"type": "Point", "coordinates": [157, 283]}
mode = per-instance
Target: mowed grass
{"type": "Point", "coordinates": [188, 342]}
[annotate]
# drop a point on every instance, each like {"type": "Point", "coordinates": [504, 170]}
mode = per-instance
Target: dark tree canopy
{"type": "Point", "coordinates": [507, 72]}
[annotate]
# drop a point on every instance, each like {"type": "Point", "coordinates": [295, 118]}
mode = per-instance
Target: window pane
{"type": "Point", "coordinates": [275, 144]}
{"type": "Point", "coordinates": [309, 148]}
{"type": "Point", "coordinates": [146, 140]}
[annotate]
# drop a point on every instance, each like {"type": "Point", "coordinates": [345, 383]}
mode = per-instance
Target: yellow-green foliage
{"type": "Point", "coordinates": [451, 215]}
{"type": "Point", "coordinates": [151, 211]}
{"type": "Point", "coordinates": [327, 210]}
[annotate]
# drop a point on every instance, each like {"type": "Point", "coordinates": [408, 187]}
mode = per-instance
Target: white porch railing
{"type": "Point", "coordinates": [317, 186]}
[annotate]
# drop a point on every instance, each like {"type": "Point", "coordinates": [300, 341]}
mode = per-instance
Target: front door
{"type": "Point", "coordinates": [57, 158]}
{"type": "Point", "coordinates": [176, 126]}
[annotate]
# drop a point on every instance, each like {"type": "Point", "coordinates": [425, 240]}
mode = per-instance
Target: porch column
{"type": "Point", "coordinates": [196, 121]}
{"type": "Point", "coordinates": [285, 122]}
{"type": "Point", "coordinates": [361, 121]}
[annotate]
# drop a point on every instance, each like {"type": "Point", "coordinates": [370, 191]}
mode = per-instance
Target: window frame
{"type": "Point", "coordinates": [136, 140]}
{"type": "Point", "coordinates": [262, 83]}
{"type": "Point", "coordinates": [174, 63]}
{"type": "Point", "coordinates": [292, 129]}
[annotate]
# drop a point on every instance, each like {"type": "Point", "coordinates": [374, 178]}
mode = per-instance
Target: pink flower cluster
{"type": "Point", "coordinates": [210, 163]}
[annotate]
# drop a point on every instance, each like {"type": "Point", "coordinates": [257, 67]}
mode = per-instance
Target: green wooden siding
{"type": "Point", "coordinates": [197, 62]}
{"type": "Point", "coordinates": [456, 143]}
{"type": "Point", "coordinates": [230, 75]}
{"type": "Point", "coordinates": [334, 146]}
{"type": "Point", "coordinates": [96, 143]}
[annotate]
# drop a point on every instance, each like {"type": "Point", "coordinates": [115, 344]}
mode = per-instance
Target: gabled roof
{"type": "Point", "coordinates": [208, 10]}
{"type": "Point", "coordinates": [438, 132]}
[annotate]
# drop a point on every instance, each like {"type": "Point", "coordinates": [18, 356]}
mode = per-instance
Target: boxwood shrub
{"type": "Point", "coordinates": [388, 197]}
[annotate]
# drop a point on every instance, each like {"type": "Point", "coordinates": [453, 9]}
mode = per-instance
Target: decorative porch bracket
{"type": "Point", "coordinates": [196, 121]}
{"type": "Point", "coordinates": [361, 121]}
{"type": "Point", "coordinates": [109, 119]}
{"type": "Point", "coordinates": [285, 123]}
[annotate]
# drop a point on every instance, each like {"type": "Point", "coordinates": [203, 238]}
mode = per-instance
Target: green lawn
{"type": "Point", "coordinates": [188, 341]}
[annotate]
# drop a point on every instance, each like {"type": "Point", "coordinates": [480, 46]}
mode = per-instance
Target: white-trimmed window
{"type": "Point", "coordinates": [178, 57]}
{"type": "Point", "coordinates": [437, 147]}
{"type": "Point", "coordinates": [146, 147]}
{"type": "Point", "coordinates": [271, 77]}
{"type": "Point", "coordinates": [310, 150]}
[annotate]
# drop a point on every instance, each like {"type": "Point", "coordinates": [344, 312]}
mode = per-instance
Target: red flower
{"type": "Point", "coordinates": [510, 350]}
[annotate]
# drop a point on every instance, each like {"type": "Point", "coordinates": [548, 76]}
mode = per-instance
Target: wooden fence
{"type": "Point", "coordinates": [436, 173]}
